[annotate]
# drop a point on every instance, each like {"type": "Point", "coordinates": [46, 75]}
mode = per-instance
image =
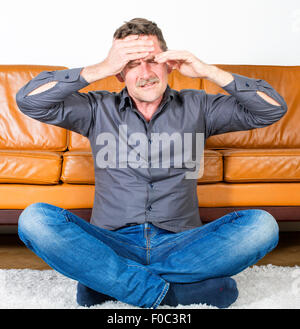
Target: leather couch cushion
{"type": "Point", "coordinates": [17, 130]}
{"type": "Point", "coordinates": [213, 167]}
{"type": "Point", "coordinates": [262, 165]}
{"type": "Point", "coordinates": [30, 167]}
{"type": "Point", "coordinates": [78, 167]}
{"type": "Point", "coordinates": [281, 134]}
{"type": "Point", "coordinates": [69, 196]}
{"type": "Point", "coordinates": [75, 196]}
{"type": "Point", "coordinates": [248, 194]}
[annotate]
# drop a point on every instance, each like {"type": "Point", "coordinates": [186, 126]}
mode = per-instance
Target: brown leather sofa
{"type": "Point", "coordinates": [250, 169]}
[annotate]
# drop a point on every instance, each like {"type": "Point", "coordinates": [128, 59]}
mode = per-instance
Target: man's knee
{"type": "Point", "coordinates": [31, 219]}
{"type": "Point", "coordinates": [266, 228]}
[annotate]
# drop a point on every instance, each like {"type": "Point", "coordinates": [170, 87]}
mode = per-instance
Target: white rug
{"type": "Point", "coordinates": [260, 287]}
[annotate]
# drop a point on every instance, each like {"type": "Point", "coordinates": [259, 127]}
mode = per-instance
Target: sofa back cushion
{"type": "Point", "coordinates": [17, 130]}
{"type": "Point", "coordinates": [283, 133]}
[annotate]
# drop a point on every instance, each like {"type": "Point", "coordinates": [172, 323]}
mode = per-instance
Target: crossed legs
{"type": "Point", "coordinates": [117, 265]}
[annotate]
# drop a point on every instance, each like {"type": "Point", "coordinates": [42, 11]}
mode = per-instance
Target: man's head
{"type": "Point", "coordinates": [141, 26]}
{"type": "Point", "coordinates": [146, 80]}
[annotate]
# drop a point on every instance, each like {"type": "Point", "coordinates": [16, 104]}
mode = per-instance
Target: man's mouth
{"type": "Point", "coordinates": [149, 83]}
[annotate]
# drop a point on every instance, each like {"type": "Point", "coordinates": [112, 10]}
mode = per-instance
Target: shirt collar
{"type": "Point", "coordinates": [126, 100]}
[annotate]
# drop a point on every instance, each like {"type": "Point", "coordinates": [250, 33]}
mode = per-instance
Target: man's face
{"type": "Point", "coordinates": [146, 80]}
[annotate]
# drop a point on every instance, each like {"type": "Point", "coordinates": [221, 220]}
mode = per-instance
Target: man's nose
{"type": "Point", "coordinates": [145, 70]}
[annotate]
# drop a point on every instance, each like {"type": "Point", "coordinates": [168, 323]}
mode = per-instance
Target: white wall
{"type": "Point", "coordinates": [79, 32]}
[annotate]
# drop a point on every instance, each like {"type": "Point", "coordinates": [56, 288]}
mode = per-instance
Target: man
{"type": "Point", "coordinates": [145, 244]}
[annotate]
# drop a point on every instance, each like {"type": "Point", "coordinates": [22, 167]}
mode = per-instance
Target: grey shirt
{"type": "Point", "coordinates": [130, 194]}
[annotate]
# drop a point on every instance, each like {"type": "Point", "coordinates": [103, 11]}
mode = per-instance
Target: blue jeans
{"type": "Point", "coordinates": [136, 264]}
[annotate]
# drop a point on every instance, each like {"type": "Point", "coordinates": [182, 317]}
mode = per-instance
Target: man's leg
{"type": "Point", "coordinates": [73, 247]}
{"type": "Point", "coordinates": [192, 259]}
{"type": "Point", "coordinates": [247, 237]}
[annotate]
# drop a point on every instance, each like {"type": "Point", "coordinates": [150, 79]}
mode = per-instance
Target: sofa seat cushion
{"type": "Point", "coordinates": [68, 196]}
{"type": "Point", "coordinates": [262, 165]}
{"type": "Point", "coordinates": [78, 167]}
{"type": "Point", "coordinates": [213, 167]}
{"type": "Point", "coordinates": [30, 167]}
{"type": "Point", "coordinates": [249, 194]}
{"type": "Point", "coordinates": [75, 196]}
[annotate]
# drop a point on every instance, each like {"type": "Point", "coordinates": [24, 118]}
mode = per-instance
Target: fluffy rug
{"type": "Point", "coordinates": [260, 287]}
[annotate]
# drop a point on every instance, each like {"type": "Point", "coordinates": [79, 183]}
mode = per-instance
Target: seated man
{"type": "Point", "coordinates": [145, 244]}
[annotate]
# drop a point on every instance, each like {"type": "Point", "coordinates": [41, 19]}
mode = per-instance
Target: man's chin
{"type": "Point", "coordinates": [149, 95]}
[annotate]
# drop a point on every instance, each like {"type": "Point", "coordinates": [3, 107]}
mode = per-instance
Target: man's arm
{"type": "Point", "coordinates": [223, 78]}
{"type": "Point", "coordinates": [53, 97]}
{"type": "Point", "coordinates": [251, 103]}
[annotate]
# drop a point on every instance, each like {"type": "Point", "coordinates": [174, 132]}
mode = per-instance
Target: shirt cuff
{"type": "Point", "coordinates": [241, 83]}
{"type": "Point", "coordinates": [69, 75]}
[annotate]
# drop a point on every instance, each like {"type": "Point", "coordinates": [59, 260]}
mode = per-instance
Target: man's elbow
{"type": "Point", "coordinates": [284, 107]}
{"type": "Point", "coordinates": [280, 110]}
{"type": "Point", "coordinates": [24, 104]}
{"type": "Point", "coordinates": [20, 100]}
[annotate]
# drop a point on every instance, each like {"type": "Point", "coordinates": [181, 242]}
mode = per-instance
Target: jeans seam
{"type": "Point", "coordinates": [161, 296]}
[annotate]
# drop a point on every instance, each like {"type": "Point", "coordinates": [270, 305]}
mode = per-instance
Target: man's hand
{"type": "Point", "coordinates": [125, 50]}
{"type": "Point", "coordinates": [191, 66]}
{"type": "Point", "coordinates": [183, 61]}
{"type": "Point", "coordinates": [122, 51]}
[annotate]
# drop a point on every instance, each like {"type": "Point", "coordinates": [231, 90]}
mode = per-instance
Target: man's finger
{"type": "Point", "coordinates": [134, 56]}
{"type": "Point", "coordinates": [141, 49]}
{"type": "Point", "coordinates": [138, 42]}
{"type": "Point", "coordinates": [130, 37]}
{"type": "Point", "coordinates": [171, 55]}
{"type": "Point", "coordinates": [143, 37]}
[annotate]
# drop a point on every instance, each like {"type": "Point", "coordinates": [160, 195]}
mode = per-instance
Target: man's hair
{"type": "Point", "coordinates": [141, 26]}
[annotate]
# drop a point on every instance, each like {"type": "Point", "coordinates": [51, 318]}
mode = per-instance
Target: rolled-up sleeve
{"type": "Point", "coordinates": [243, 109]}
{"type": "Point", "coordinates": [62, 105]}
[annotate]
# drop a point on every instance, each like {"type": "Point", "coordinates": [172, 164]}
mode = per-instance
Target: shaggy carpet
{"type": "Point", "coordinates": [260, 287]}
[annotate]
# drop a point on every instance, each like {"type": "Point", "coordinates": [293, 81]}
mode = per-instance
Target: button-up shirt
{"type": "Point", "coordinates": [134, 194]}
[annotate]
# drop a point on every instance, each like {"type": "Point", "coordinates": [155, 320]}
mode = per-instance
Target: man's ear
{"type": "Point", "coordinates": [120, 77]}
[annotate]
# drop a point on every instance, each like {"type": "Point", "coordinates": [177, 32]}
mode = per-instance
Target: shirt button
{"type": "Point", "coordinates": [150, 141]}
{"type": "Point", "coordinates": [149, 208]}
{"type": "Point", "coordinates": [151, 185]}
{"type": "Point", "coordinates": [247, 84]}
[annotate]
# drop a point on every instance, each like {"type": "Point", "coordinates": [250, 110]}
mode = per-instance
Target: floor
{"type": "Point", "coordinates": [14, 255]}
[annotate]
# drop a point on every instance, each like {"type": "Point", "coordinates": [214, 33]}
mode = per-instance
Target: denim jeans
{"type": "Point", "coordinates": [136, 264]}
